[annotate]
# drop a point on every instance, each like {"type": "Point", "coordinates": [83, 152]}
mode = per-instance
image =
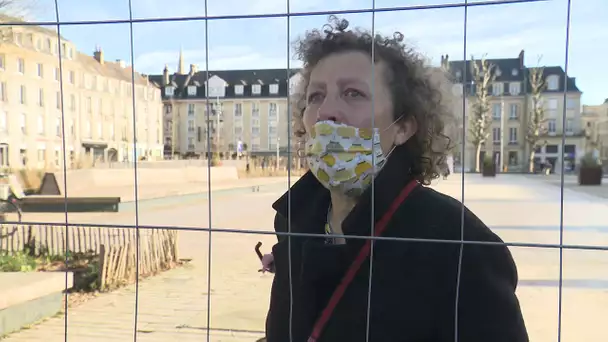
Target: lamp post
{"type": "Point", "coordinates": [502, 133]}
{"type": "Point", "coordinates": [278, 136]}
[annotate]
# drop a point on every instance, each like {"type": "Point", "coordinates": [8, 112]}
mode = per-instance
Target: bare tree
{"type": "Point", "coordinates": [536, 123]}
{"type": "Point", "coordinates": [480, 120]}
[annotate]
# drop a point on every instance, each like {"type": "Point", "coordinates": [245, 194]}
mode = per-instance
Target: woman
{"type": "Point", "coordinates": [418, 291]}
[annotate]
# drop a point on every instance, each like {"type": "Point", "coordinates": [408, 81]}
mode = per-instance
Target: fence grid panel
{"type": "Point", "coordinates": [12, 237]}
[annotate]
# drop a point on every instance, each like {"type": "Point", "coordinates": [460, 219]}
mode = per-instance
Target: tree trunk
{"type": "Point", "coordinates": [477, 154]}
{"type": "Point", "coordinates": [531, 161]}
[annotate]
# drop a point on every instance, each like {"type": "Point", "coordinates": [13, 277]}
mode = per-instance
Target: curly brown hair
{"type": "Point", "coordinates": [416, 89]}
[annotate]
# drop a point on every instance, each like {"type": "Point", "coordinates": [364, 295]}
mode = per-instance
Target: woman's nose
{"type": "Point", "coordinates": [330, 111]}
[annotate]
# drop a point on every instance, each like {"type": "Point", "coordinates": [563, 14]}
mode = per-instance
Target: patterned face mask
{"type": "Point", "coordinates": [343, 157]}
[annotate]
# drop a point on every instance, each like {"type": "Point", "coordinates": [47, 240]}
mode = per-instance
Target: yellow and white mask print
{"type": "Point", "coordinates": [343, 157]}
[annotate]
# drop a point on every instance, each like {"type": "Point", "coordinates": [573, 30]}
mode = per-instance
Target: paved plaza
{"type": "Point", "coordinates": [173, 305]}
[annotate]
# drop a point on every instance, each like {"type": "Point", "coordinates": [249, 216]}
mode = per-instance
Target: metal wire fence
{"type": "Point", "coordinates": [209, 229]}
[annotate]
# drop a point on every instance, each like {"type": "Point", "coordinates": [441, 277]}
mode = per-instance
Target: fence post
{"type": "Point", "coordinates": [102, 267]}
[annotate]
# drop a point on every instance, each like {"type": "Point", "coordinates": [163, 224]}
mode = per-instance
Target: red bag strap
{"type": "Point", "coordinates": [356, 265]}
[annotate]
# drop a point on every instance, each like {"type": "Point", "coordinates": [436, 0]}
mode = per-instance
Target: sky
{"type": "Point", "coordinates": [497, 31]}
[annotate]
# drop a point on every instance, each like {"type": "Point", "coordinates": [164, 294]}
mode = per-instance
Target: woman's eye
{"type": "Point", "coordinates": [353, 93]}
{"type": "Point", "coordinates": [314, 97]}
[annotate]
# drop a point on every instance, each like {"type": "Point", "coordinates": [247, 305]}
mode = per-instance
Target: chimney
{"type": "Point", "coordinates": [521, 59]}
{"type": "Point", "coordinates": [98, 54]}
{"type": "Point", "coordinates": [166, 75]}
{"type": "Point", "coordinates": [193, 69]}
{"type": "Point", "coordinates": [121, 63]}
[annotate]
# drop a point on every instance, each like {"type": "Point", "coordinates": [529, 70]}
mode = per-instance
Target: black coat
{"type": "Point", "coordinates": [413, 292]}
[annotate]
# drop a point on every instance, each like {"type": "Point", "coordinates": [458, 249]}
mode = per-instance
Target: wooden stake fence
{"type": "Point", "coordinates": [118, 263]}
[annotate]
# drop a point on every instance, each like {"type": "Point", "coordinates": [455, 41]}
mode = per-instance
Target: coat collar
{"type": "Point", "coordinates": [310, 200]}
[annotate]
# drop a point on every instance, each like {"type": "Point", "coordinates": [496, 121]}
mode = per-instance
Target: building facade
{"type": "Point", "coordinates": [93, 111]}
{"type": "Point", "coordinates": [596, 121]}
{"type": "Point", "coordinates": [248, 111]}
{"type": "Point", "coordinates": [511, 103]}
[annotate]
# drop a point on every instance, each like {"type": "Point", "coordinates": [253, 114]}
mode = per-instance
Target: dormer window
{"type": "Point", "coordinates": [274, 88]}
{"type": "Point", "coordinates": [553, 82]}
{"type": "Point", "coordinates": [458, 74]}
{"type": "Point", "coordinates": [169, 91]}
{"type": "Point", "coordinates": [514, 72]}
{"type": "Point", "coordinates": [239, 89]}
{"type": "Point", "coordinates": [256, 89]}
{"type": "Point", "coordinates": [497, 89]}
{"type": "Point", "coordinates": [498, 72]}
{"type": "Point", "coordinates": [191, 90]}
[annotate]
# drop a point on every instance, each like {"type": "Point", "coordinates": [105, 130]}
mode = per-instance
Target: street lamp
{"type": "Point", "coordinates": [278, 136]}
{"type": "Point", "coordinates": [502, 132]}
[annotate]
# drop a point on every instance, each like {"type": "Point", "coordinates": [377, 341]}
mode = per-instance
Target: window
{"type": "Point", "coordinates": [255, 130]}
{"type": "Point", "coordinates": [191, 126]}
{"type": "Point", "coordinates": [514, 72]}
{"type": "Point", "coordinates": [2, 58]}
{"type": "Point", "coordinates": [3, 122]}
{"type": "Point", "coordinates": [272, 131]}
{"type": "Point", "coordinates": [40, 124]}
{"type": "Point", "coordinates": [191, 143]}
{"type": "Point", "coordinates": [551, 149]}
{"type": "Point", "coordinates": [72, 102]}
{"type": "Point", "coordinates": [41, 156]}
{"type": "Point", "coordinates": [553, 82]}
{"type": "Point", "coordinates": [41, 97]}
{"type": "Point", "coordinates": [497, 89]}
{"type": "Point", "coordinates": [56, 74]}
{"type": "Point", "coordinates": [514, 88]}
{"type": "Point", "coordinates": [496, 135]}
{"type": "Point", "coordinates": [552, 104]}
{"type": "Point", "coordinates": [88, 128]}
{"type": "Point", "coordinates": [255, 147]}
{"type": "Point", "coordinates": [21, 65]}
{"type": "Point", "coordinates": [23, 123]}
{"type": "Point", "coordinates": [255, 122]}
{"type": "Point", "coordinates": [496, 111]}
{"type": "Point", "coordinates": [40, 70]}
{"type": "Point", "coordinates": [571, 103]}
{"type": "Point", "coordinates": [551, 126]}
{"type": "Point", "coordinates": [274, 88]}
{"type": "Point", "coordinates": [512, 135]}
{"type": "Point", "coordinates": [22, 95]}
{"type": "Point", "coordinates": [72, 77]}
{"type": "Point", "coordinates": [169, 91]}
{"type": "Point", "coordinates": [513, 112]}
{"type": "Point", "coordinates": [89, 105]}
{"type": "Point", "coordinates": [191, 109]}
{"type": "Point", "coordinates": [2, 91]}
{"type": "Point", "coordinates": [191, 91]}
{"type": "Point", "coordinates": [272, 110]}
{"type": "Point", "coordinates": [255, 110]}
{"type": "Point", "coordinates": [513, 158]}
{"type": "Point", "coordinates": [58, 126]}
{"type": "Point", "coordinates": [238, 89]}
{"type": "Point", "coordinates": [238, 130]}
{"type": "Point", "coordinates": [57, 158]}
{"type": "Point", "coordinates": [238, 109]}
{"type": "Point", "coordinates": [569, 126]}
{"type": "Point", "coordinates": [256, 89]}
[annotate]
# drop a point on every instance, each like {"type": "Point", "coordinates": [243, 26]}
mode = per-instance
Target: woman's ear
{"type": "Point", "coordinates": [406, 129]}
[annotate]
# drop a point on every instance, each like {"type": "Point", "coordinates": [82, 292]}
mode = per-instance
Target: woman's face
{"type": "Point", "coordinates": [341, 89]}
